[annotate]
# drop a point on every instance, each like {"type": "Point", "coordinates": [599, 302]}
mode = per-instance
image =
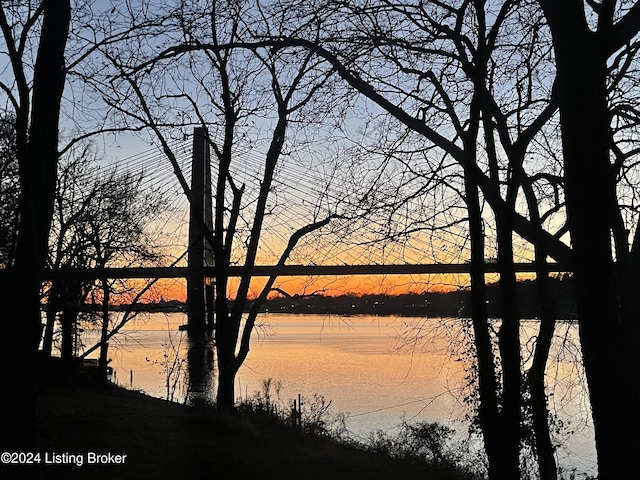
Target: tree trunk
{"type": "Point", "coordinates": [226, 337]}
{"type": "Point", "coordinates": [225, 396]}
{"type": "Point", "coordinates": [38, 161]}
{"type": "Point", "coordinates": [545, 452]}
{"type": "Point", "coordinates": [536, 375]}
{"type": "Point", "coordinates": [488, 408]}
{"type": "Point", "coordinates": [509, 331]}
{"type": "Point", "coordinates": [499, 409]}
{"type": "Point", "coordinates": [52, 312]}
{"type": "Point", "coordinates": [509, 346]}
{"type": "Point", "coordinates": [609, 343]}
{"type": "Point", "coordinates": [609, 340]}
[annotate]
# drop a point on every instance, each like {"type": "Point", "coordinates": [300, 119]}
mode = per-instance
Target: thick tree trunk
{"type": "Point", "coordinates": [225, 397]}
{"type": "Point", "coordinates": [609, 343]}
{"type": "Point", "coordinates": [38, 160]}
{"type": "Point", "coordinates": [610, 340]}
{"type": "Point", "coordinates": [226, 337]}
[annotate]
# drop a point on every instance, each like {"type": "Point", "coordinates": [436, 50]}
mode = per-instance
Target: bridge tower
{"type": "Point", "coordinates": [200, 255]}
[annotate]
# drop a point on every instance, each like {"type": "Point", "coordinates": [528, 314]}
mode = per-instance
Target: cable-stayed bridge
{"type": "Point", "coordinates": [299, 194]}
{"type": "Point", "coordinates": [368, 243]}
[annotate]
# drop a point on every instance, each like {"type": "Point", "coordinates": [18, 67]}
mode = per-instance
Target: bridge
{"type": "Point", "coordinates": [200, 272]}
{"type": "Point", "coordinates": [293, 270]}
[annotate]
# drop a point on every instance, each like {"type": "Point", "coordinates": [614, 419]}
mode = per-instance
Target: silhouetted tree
{"type": "Point", "coordinates": [251, 100]}
{"type": "Point", "coordinates": [33, 88]}
{"type": "Point", "coordinates": [101, 219]}
{"type": "Point", "coordinates": [595, 44]}
{"type": "Point", "coordinates": [431, 66]}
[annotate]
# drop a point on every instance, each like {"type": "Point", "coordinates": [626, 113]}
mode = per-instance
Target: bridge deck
{"type": "Point", "coordinates": [295, 270]}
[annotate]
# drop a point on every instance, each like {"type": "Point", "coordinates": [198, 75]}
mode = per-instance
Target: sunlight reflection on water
{"type": "Point", "coordinates": [377, 370]}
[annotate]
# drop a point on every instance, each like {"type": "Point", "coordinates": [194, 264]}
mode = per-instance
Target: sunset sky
{"type": "Point", "coordinates": [337, 244]}
{"type": "Point", "coordinates": [175, 289]}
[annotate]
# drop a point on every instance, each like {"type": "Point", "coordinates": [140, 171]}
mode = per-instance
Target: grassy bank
{"type": "Point", "coordinates": [163, 440]}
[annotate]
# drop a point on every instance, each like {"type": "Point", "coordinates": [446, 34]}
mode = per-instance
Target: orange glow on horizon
{"type": "Point", "coordinates": [358, 285]}
{"type": "Point", "coordinates": [175, 289]}
{"type": "Point", "coordinates": [168, 289]}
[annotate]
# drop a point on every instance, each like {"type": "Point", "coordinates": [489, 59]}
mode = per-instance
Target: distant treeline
{"type": "Point", "coordinates": [433, 304]}
{"type": "Point", "coordinates": [159, 306]}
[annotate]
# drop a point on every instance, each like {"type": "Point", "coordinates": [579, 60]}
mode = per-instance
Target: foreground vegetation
{"type": "Point", "coordinates": [164, 440]}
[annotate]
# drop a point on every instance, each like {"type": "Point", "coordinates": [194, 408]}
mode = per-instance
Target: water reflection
{"type": "Point", "coordinates": [377, 370]}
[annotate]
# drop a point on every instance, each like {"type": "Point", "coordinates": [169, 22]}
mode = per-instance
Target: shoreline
{"type": "Point", "coordinates": [131, 435]}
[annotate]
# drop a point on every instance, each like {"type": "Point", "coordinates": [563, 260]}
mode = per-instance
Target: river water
{"type": "Point", "coordinates": [378, 371]}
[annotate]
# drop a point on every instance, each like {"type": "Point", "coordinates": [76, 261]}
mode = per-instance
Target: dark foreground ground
{"type": "Point", "coordinates": [163, 440]}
